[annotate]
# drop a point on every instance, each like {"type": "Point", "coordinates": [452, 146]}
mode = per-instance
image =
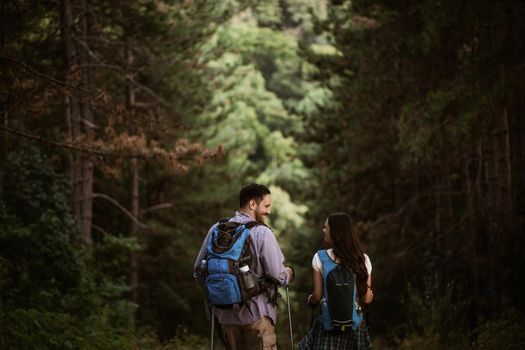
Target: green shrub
{"type": "Point", "coordinates": [436, 317]}
{"type": "Point", "coordinates": [507, 332]}
{"type": "Point", "coordinates": [49, 297]}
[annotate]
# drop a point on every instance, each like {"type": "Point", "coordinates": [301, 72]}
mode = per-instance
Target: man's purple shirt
{"type": "Point", "coordinates": [269, 263]}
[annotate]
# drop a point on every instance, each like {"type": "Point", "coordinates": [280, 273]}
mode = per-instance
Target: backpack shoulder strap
{"type": "Point", "coordinates": [247, 224]}
{"type": "Point", "coordinates": [250, 224]}
{"type": "Point", "coordinates": [327, 262]}
{"type": "Point", "coordinates": [323, 256]}
{"type": "Point", "coordinates": [223, 220]}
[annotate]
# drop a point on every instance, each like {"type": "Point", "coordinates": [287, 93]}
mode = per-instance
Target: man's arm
{"type": "Point", "coordinates": [272, 258]}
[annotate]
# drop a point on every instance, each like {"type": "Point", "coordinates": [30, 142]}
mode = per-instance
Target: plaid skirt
{"type": "Point", "coordinates": [319, 339]}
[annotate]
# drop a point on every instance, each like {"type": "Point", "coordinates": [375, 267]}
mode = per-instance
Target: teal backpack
{"type": "Point", "coordinates": [340, 310]}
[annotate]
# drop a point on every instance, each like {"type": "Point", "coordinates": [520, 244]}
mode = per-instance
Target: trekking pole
{"type": "Point", "coordinates": [289, 315]}
{"type": "Point", "coordinates": [212, 326]}
{"type": "Point", "coordinates": [207, 309]}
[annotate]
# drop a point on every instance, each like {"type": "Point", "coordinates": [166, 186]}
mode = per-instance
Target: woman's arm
{"type": "Point", "coordinates": [369, 295]}
{"type": "Point", "coordinates": [317, 293]}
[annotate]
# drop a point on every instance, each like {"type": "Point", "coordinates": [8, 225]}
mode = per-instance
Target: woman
{"type": "Point", "coordinates": [345, 249]}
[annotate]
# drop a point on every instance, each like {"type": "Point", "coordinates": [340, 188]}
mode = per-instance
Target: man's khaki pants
{"type": "Point", "coordinates": [256, 336]}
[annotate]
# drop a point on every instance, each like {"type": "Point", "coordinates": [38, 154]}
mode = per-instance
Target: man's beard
{"type": "Point", "coordinates": [259, 217]}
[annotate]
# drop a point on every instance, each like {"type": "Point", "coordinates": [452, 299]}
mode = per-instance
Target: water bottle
{"type": "Point", "coordinates": [247, 277]}
{"type": "Point", "coordinates": [200, 274]}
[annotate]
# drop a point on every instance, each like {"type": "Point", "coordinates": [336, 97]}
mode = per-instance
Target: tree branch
{"type": "Point", "coordinates": [121, 207]}
{"type": "Point", "coordinates": [127, 77]}
{"type": "Point", "coordinates": [54, 143]}
{"type": "Point", "coordinates": [123, 74]}
{"type": "Point", "coordinates": [92, 151]}
{"type": "Point", "coordinates": [100, 229]}
{"type": "Point", "coordinates": [398, 212]}
{"type": "Point", "coordinates": [39, 74]}
{"type": "Point", "coordinates": [157, 207]}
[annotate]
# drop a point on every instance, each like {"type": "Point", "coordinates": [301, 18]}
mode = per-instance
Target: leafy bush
{"type": "Point", "coordinates": [507, 332]}
{"type": "Point", "coordinates": [436, 317]}
{"type": "Point", "coordinates": [49, 298]}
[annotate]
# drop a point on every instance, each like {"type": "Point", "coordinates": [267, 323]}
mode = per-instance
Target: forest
{"type": "Point", "coordinates": [127, 129]}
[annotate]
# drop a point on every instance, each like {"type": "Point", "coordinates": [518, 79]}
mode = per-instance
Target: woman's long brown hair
{"type": "Point", "coordinates": [347, 248]}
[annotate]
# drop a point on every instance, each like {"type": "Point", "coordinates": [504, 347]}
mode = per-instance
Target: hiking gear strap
{"type": "Point", "coordinates": [289, 316]}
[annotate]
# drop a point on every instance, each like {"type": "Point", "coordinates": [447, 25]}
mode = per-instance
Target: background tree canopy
{"type": "Point", "coordinates": [128, 128]}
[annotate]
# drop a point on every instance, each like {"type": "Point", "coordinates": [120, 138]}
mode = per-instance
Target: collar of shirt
{"type": "Point", "coordinates": [242, 216]}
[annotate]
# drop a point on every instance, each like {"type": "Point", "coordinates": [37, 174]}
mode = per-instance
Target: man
{"type": "Point", "coordinates": [252, 326]}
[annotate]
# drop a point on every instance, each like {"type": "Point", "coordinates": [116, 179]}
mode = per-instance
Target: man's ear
{"type": "Point", "coordinates": [253, 204]}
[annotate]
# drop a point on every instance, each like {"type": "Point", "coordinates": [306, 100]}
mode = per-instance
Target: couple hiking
{"type": "Point", "coordinates": [241, 265]}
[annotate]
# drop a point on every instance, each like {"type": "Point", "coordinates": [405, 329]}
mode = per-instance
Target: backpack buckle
{"type": "Point", "coordinates": [342, 327]}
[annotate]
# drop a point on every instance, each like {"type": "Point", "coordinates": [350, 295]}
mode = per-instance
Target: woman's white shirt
{"type": "Point", "coordinates": [316, 261]}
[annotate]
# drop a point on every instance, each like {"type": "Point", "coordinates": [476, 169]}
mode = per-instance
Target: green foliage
{"type": "Point", "coordinates": [33, 189]}
{"type": "Point", "coordinates": [241, 86]}
{"type": "Point", "coordinates": [36, 231]}
{"type": "Point", "coordinates": [268, 13]}
{"type": "Point", "coordinates": [186, 340]}
{"type": "Point", "coordinates": [169, 292]}
{"type": "Point", "coordinates": [31, 329]}
{"type": "Point", "coordinates": [108, 267]}
{"type": "Point", "coordinates": [438, 314]}
{"type": "Point", "coordinates": [253, 71]}
{"type": "Point", "coordinates": [394, 111]}
{"type": "Point", "coordinates": [506, 332]}
{"type": "Point", "coordinates": [314, 101]}
{"type": "Point", "coordinates": [48, 298]}
{"type": "Point", "coordinates": [419, 104]}
{"type": "Point", "coordinates": [274, 54]}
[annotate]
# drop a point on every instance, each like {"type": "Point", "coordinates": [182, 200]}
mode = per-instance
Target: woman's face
{"type": "Point", "coordinates": [326, 233]}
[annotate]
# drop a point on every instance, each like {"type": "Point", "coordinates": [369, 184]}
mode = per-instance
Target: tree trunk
{"type": "Point", "coordinates": [133, 262]}
{"type": "Point", "coordinates": [3, 107]}
{"type": "Point", "coordinates": [71, 110]}
{"type": "Point", "coordinates": [498, 198]}
{"type": "Point", "coordinates": [86, 123]}
{"type": "Point", "coordinates": [135, 202]}
{"type": "Point", "coordinates": [470, 230]}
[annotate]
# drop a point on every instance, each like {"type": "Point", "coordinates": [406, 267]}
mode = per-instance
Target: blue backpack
{"type": "Point", "coordinates": [231, 279]}
{"type": "Point", "coordinates": [340, 310]}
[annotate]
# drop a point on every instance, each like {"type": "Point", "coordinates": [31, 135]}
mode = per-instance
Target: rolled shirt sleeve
{"type": "Point", "coordinates": [272, 258]}
{"type": "Point", "coordinates": [316, 263]}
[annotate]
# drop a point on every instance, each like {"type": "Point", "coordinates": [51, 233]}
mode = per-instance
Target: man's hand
{"type": "Point", "coordinates": [291, 273]}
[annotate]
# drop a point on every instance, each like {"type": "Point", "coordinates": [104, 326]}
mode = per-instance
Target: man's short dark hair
{"type": "Point", "coordinates": [252, 191]}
